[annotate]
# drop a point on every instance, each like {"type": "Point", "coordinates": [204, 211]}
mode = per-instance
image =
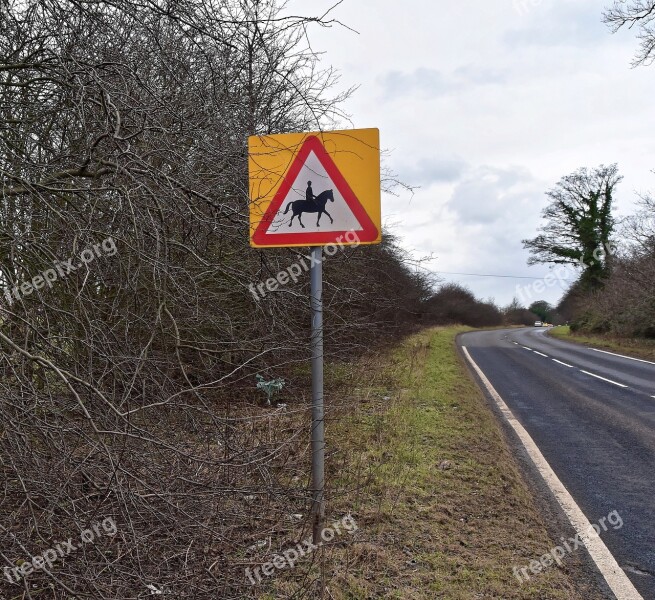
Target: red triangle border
{"type": "Point", "coordinates": [368, 233]}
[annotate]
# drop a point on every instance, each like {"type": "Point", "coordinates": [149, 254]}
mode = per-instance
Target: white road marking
{"type": "Point", "coordinates": [527, 348]}
{"type": "Point", "coordinates": [563, 363]}
{"type": "Point", "coordinates": [603, 378]}
{"type": "Point", "coordinates": [648, 362]}
{"type": "Point", "coordinates": [540, 354]}
{"type": "Point", "coordinates": [614, 576]}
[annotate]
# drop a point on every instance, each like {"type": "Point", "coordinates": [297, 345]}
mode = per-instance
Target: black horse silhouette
{"type": "Point", "coordinates": [310, 206]}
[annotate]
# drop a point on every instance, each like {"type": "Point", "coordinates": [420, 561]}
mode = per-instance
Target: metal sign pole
{"type": "Point", "coordinates": [318, 412]}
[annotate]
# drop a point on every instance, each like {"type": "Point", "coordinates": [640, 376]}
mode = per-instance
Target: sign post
{"type": "Point", "coordinates": [318, 410]}
{"type": "Point", "coordinates": [315, 189]}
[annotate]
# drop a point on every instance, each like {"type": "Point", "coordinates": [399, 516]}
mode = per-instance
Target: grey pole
{"type": "Point", "coordinates": [318, 412]}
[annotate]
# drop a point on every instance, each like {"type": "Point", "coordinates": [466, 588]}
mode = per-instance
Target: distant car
{"type": "Point", "coordinates": [538, 324]}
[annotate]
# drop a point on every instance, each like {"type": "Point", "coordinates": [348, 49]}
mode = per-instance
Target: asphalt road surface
{"type": "Point", "coordinates": [592, 415]}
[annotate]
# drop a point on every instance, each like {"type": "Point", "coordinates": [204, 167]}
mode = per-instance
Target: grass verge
{"type": "Point", "coordinates": [639, 348]}
{"type": "Point", "coordinates": [418, 459]}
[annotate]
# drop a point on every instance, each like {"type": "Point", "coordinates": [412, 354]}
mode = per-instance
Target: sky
{"type": "Point", "coordinates": [484, 106]}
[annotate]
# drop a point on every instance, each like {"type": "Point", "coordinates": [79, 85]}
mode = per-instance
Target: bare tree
{"type": "Point", "coordinates": [640, 227]}
{"type": "Point", "coordinates": [123, 129]}
{"type": "Point", "coordinates": [454, 303]}
{"type": "Point", "coordinates": [626, 305]}
{"type": "Point", "coordinates": [516, 314]}
{"type": "Point", "coordinates": [639, 14]}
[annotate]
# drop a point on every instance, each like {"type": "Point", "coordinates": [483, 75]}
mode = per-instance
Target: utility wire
{"type": "Point", "coordinates": [498, 276]}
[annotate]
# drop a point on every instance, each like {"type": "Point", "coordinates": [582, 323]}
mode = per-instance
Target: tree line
{"type": "Point", "coordinates": [615, 291]}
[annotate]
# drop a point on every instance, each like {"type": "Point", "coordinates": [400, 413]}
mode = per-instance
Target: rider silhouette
{"type": "Point", "coordinates": [309, 194]}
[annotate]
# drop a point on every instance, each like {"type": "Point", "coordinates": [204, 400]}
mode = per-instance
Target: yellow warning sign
{"type": "Point", "coordinates": [314, 189]}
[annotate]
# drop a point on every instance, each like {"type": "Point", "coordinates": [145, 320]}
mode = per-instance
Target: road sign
{"type": "Point", "coordinates": [315, 189]}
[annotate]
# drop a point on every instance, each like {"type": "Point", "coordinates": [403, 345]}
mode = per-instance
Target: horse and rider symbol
{"type": "Point", "coordinates": [311, 204]}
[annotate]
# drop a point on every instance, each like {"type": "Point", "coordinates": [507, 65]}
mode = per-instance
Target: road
{"type": "Point", "coordinates": [592, 415]}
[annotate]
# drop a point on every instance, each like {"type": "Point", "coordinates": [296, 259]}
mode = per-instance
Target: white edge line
{"type": "Point", "coordinates": [541, 354]}
{"type": "Point", "coordinates": [563, 363]}
{"type": "Point", "coordinates": [648, 362]}
{"type": "Point", "coordinates": [603, 378]}
{"type": "Point", "coordinates": [614, 576]}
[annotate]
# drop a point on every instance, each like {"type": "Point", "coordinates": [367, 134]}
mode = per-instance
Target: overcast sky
{"type": "Point", "coordinates": [485, 106]}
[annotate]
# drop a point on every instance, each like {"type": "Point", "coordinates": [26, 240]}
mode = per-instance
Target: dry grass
{"type": "Point", "coordinates": [416, 456]}
{"type": "Point", "coordinates": [637, 347]}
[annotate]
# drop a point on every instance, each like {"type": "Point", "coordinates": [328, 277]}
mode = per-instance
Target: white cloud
{"type": "Point", "coordinates": [561, 23]}
{"type": "Point", "coordinates": [492, 197]}
{"type": "Point", "coordinates": [433, 169]}
{"type": "Point", "coordinates": [486, 107]}
{"type": "Point", "coordinates": [430, 82]}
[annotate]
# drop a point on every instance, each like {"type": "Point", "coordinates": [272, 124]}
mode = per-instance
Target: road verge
{"type": "Point", "coordinates": [637, 348]}
{"type": "Point", "coordinates": [419, 461]}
